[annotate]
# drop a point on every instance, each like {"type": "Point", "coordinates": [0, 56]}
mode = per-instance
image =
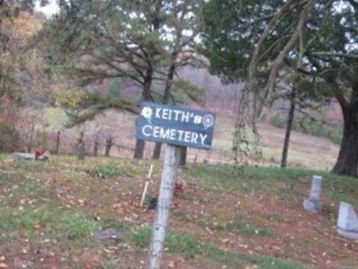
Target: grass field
{"type": "Point", "coordinates": [305, 151]}
{"type": "Point", "coordinates": [225, 218]}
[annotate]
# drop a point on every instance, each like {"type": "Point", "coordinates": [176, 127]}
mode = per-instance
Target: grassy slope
{"type": "Point", "coordinates": [305, 151]}
{"type": "Point", "coordinates": [225, 218]}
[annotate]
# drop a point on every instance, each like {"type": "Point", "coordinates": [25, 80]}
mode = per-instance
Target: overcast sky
{"type": "Point", "coordinates": [50, 9]}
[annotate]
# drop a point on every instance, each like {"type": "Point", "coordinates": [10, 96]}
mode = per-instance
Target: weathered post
{"type": "Point", "coordinates": [58, 140]}
{"type": "Point", "coordinates": [96, 145]}
{"type": "Point", "coordinates": [81, 150]}
{"type": "Point", "coordinates": [108, 146]}
{"type": "Point", "coordinates": [30, 143]}
{"type": "Point", "coordinates": [146, 185]}
{"type": "Point", "coordinates": [183, 154]}
{"type": "Point", "coordinates": [195, 159]}
{"type": "Point", "coordinates": [171, 162]}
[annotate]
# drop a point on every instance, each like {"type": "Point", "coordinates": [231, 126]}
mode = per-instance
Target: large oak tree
{"type": "Point", "coordinates": [258, 39]}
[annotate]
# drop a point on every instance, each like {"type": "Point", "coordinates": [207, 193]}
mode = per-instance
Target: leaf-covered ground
{"type": "Point", "coordinates": [51, 211]}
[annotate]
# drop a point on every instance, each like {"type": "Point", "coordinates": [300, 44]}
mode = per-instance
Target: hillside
{"type": "Point", "coordinates": [51, 213]}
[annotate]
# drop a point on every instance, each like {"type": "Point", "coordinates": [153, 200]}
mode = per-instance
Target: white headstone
{"type": "Point", "coordinates": [347, 223]}
{"type": "Point", "coordinates": [23, 156]}
{"type": "Point", "coordinates": [313, 203]}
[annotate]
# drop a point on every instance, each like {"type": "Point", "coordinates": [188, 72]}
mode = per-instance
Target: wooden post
{"type": "Point", "coordinates": [195, 159]}
{"type": "Point", "coordinates": [171, 162]}
{"type": "Point", "coordinates": [96, 144]}
{"type": "Point", "coordinates": [146, 185]}
{"type": "Point", "coordinates": [58, 140]}
{"type": "Point", "coordinates": [183, 154]}
{"type": "Point", "coordinates": [95, 147]}
{"type": "Point", "coordinates": [81, 150]}
{"type": "Point", "coordinates": [30, 143]}
{"type": "Point", "coordinates": [108, 146]}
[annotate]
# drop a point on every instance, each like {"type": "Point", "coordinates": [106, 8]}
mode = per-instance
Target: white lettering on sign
{"type": "Point", "coordinates": [185, 117]}
{"type": "Point", "coordinates": [166, 114]}
{"type": "Point", "coordinates": [180, 134]}
{"type": "Point", "coordinates": [173, 115]}
{"type": "Point", "coordinates": [174, 134]}
{"type": "Point", "coordinates": [177, 113]}
{"type": "Point", "coordinates": [147, 130]}
{"type": "Point", "coordinates": [164, 133]}
{"type": "Point", "coordinates": [157, 112]}
{"type": "Point", "coordinates": [203, 138]}
{"type": "Point", "coordinates": [194, 138]}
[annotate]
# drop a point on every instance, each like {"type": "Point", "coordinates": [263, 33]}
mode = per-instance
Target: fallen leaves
{"type": "Point", "coordinates": [204, 213]}
{"type": "Point", "coordinates": [2, 262]}
{"type": "Point", "coordinates": [251, 267]}
{"type": "Point", "coordinates": [93, 261]}
{"type": "Point", "coordinates": [177, 263]}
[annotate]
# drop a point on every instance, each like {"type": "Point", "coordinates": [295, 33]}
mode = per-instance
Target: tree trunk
{"type": "Point", "coordinates": [157, 150]}
{"type": "Point", "coordinates": [347, 161]}
{"type": "Point", "coordinates": [183, 151]}
{"type": "Point", "coordinates": [140, 144]}
{"type": "Point", "coordinates": [139, 149]}
{"type": "Point", "coordinates": [291, 115]}
{"type": "Point", "coordinates": [166, 97]}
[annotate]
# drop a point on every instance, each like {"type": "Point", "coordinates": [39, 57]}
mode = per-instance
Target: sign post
{"type": "Point", "coordinates": [176, 127]}
{"type": "Point", "coordinates": [171, 162]}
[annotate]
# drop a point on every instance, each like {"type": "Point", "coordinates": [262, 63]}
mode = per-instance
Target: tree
{"type": "Point", "coordinates": [186, 27]}
{"type": "Point", "coordinates": [313, 37]}
{"type": "Point", "coordinates": [107, 39]}
{"type": "Point", "coordinates": [334, 59]}
{"type": "Point", "coordinates": [13, 40]}
{"type": "Point", "coordinates": [303, 98]}
{"type": "Point", "coordinates": [140, 40]}
{"type": "Point", "coordinates": [18, 25]}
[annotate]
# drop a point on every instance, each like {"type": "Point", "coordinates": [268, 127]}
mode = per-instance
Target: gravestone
{"type": "Point", "coordinates": [23, 156]}
{"type": "Point", "coordinates": [109, 234]}
{"type": "Point", "coordinates": [313, 203]}
{"type": "Point", "coordinates": [347, 223]}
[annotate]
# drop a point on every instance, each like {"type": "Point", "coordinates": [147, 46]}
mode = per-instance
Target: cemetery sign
{"type": "Point", "coordinates": [175, 125]}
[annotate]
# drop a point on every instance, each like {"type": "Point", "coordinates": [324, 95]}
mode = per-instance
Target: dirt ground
{"type": "Point", "coordinates": [251, 216]}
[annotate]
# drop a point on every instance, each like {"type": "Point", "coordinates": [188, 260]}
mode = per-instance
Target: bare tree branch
{"type": "Point", "coordinates": [277, 63]}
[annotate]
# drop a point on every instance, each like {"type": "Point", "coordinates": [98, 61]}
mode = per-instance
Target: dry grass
{"type": "Point", "coordinates": [305, 151]}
